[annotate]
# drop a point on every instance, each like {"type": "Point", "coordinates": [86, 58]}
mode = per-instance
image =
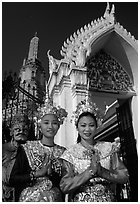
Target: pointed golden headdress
{"type": "Point", "coordinates": [87, 105]}
{"type": "Point", "coordinates": [49, 108]}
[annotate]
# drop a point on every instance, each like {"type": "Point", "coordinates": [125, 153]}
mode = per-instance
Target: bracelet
{"type": "Point", "coordinates": [32, 176]}
{"type": "Point", "coordinates": [91, 172]}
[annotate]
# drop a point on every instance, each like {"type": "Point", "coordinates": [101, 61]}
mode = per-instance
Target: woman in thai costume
{"type": "Point", "coordinates": [19, 133]}
{"type": "Point", "coordinates": [91, 167]}
{"type": "Point", "coordinates": [37, 170]}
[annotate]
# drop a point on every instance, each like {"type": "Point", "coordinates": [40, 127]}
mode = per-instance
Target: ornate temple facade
{"type": "Point", "coordinates": [104, 55]}
{"type": "Point", "coordinates": [101, 60]}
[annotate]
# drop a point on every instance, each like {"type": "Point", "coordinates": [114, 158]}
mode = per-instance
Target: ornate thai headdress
{"type": "Point", "coordinates": [49, 108]}
{"type": "Point", "coordinates": [87, 105]}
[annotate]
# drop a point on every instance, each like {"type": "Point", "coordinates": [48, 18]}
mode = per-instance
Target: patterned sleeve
{"type": "Point", "coordinates": [67, 156]}
{"type": "Point", "coordinates": [106, 150]}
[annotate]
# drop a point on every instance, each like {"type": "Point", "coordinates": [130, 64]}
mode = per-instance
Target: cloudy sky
{"type": "Point", "coordinates": [54, 22]}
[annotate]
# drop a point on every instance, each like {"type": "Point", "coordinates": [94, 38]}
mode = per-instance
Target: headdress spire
{"type": "Point", "coordinates": [87, 105]}
{"type": "Point", "coordinates": [49, 108]}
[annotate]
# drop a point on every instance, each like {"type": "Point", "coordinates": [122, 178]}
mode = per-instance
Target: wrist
{"type": "Point", "coordinates": [92, 173]}
{"type": "Point", "coordinates": [37, 174]}
{"type": "Point", "coordinates": [32, 176]}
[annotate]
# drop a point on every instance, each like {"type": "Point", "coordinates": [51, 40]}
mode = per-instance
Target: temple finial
{"type": "Point", "coordinates": [113, 9]}
{"type": "Point", "coordinates": [112, 13]}
{"type": "Point", "coordinates": [106, 14]}
{"type": "Point", "coordinates": [33, 49]}
{"type": "Point", "coordinates": [35, 34]}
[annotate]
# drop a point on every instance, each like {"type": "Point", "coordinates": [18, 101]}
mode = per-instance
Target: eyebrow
{"type": "Point", "coordinates": [86, 123]}
{"type": "Point", "coordinates": [48, 120]}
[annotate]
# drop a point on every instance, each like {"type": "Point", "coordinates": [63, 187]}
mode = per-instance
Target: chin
{"type": "Point", "coordinates": [50, 136]}
{"type": "Point", "coordinates": [87, 138]}
{"type": "Point", "coordinates": [21, 139]}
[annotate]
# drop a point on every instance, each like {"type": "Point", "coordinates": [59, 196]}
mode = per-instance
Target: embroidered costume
{"type": "Point", "coordinates": [9, 152]}
{"type": "Point", "coordinates": [76, 160]}
{"type": "Point", "coordinates": [30, 158]}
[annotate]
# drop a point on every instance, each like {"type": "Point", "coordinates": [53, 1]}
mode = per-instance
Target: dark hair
{"type": "Point", "coordinates": [82, 115]}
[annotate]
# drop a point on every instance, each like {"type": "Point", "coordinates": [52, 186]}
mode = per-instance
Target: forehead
{"type": "Point", "coordinates": [86, 119]}
{"type": "Point", "coordinates": [19, 124]}
{"type": "Point", "coordinates": [49, 117]}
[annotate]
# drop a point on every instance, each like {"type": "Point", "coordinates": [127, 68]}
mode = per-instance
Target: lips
{"type": "Point", "coordinates": [50, 131]}
{"type": "Point", "coordinates": [87, 134]}
{"type": "Point", "coordinates": [20, 135]}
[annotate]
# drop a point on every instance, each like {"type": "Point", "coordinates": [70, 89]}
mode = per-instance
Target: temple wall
{"type": "Point", "coordinates": [63, 98]}
{"type": "Point", "coordinates": [119, 80]}
{"type": "Point", "coordinates": [134, 106]}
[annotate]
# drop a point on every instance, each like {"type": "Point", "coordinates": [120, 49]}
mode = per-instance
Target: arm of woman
{"type": "Point", "coordinates": [118, 173]}
{"type": "Point", "coordinates": [70, 182]}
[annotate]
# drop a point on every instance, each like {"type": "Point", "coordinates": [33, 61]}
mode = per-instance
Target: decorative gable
{"type": "Point", "coordinates": [77, 48]}
{"type": "Point", "coordinates": [106, 74]}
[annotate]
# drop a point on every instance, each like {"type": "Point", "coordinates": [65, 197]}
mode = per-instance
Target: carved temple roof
{"type": "Point", "coordinates": [81, 41]}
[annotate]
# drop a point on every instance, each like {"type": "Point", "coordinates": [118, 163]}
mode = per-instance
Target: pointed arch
{"type": "Point", "coordinates": [107, 74]}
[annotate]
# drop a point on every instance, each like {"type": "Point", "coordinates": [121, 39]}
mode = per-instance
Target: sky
{"type": "Point", "coordinates": [54, 22]}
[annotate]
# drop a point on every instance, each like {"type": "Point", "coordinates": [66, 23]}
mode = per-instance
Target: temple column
{"type": "Point", "coordinates": [134, 107]}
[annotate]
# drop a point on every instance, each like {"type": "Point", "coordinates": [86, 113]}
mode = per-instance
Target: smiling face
{"type": "Point", "coordinates": [49, 125]}
{"type": "Point", "coordinates": [86, 128]}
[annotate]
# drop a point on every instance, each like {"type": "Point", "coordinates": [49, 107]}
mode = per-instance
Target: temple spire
{"type": "Point", "coordinates": [106, 14]}
{"type": "Point", "coordinates": [110, 15]}
{"type": "Point", "coordinates": [35, 34]}
{"type": "Point", "coordinates": [33, 49]}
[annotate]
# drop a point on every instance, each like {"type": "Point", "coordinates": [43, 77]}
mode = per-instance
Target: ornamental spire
{"type": "Point", "coordinates": [33, 49]}
{"type": "Point", "coordinates": [106, 14]}
{"type": "Point", "coordinates": [109, 15]}
{"type": "Point", "coordinates": [35, 34]}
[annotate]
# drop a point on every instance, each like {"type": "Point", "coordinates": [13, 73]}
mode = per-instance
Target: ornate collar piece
{"type": "Point", "coordinates": [88, 146]}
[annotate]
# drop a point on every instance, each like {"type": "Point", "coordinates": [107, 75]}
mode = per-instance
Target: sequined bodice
{"type": "Point", "coordinates": [80, 156]}
{"type": "Point", "coordinates": [36, 153]}
{"type": "Point", "coordinates": [95, 189]}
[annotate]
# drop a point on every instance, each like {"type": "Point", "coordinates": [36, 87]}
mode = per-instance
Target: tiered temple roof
{"type": "Point", "coordinates": [79, 44]}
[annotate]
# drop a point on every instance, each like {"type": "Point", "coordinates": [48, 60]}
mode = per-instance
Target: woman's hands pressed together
{"type": "Point", "coordinates": [95, 165]}
{"type": "Point", "coordinates": [46, 168]}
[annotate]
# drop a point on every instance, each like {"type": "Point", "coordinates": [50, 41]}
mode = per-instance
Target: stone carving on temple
{"type": "Point", "coordinates": [105, 73]}
{"type": "Point", "coordinates": [53, 63]}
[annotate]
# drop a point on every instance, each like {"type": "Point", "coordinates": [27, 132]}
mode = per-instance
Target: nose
{"type": "Point", "coordinates": [87, 128]}
{"type": "Point", "coordinates": [50, 125]}
{"type": "Point", "coordinates": [22, 129]}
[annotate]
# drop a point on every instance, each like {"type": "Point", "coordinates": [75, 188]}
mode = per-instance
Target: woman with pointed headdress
{"type": "Point", "coordinates": [91, 167]}
{"type": "Point", "coordinates": [37, 170]}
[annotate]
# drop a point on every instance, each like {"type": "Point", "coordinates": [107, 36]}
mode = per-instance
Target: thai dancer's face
{"type": "Point", "coordinates": [86, 128]}
{"type": "Point", "coordinates": [49, 125]}
{"type": "Point", "coordinates": [20, 131]}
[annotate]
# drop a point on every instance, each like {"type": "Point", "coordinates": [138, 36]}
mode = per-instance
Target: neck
{"type": "Point", "coordinates": [47, 141]}
{"type": "Point", "coordinates": [14, 143]}
{"type": "Point", "coordinates": [88, 144]}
